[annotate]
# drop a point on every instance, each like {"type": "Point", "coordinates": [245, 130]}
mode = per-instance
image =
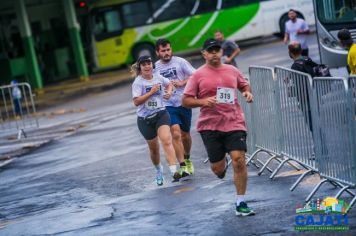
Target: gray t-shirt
{"type": "Point", "coordinates": [176, 69]}
{"type": "Point", "coordinates": [155, 103]}
{"type": "Point", "coordinates": [228, 48]}
{"type": "Point", "coordinates": [292, 28]}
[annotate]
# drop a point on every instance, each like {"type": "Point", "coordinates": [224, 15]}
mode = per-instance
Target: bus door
{"type": "Point", "coordinates": [107, 29]}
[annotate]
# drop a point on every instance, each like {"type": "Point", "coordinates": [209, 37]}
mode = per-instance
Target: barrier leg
{"type": "Point", "coordinates": [253, 155]}
{"type": "Point", "coordinates": [300, 179]}
{"type": "Point", "coordinates": [315, 189]}
{"type": "Point", "coordinates": [295, 167]}
{"type": "Point", "coordinates": [255, 164]}
{"type": "Point", "coordinates": [346, 189]}
{"type": "Point", "coordinates": [341, 191]}
{"type": "Point", "coordinates": [20, 133]}
{"type": "Point", "coordinates": [260, 162]}
{"type": "Point", "coordinates": [351, 204]}
{"type": "Point", "coordinates": [278, 168]}
{"type": "Point", "coordinates": [206, 160]}
{"type": "Point", "coordinates": [267, 162]}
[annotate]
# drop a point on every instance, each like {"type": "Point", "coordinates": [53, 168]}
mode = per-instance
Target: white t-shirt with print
{"type": "Point", "coordinates": [155, 103]}
{"type": "Point", "coordinates": [293, 27]}
{"type": "Point", "coordinates": [176, 69]}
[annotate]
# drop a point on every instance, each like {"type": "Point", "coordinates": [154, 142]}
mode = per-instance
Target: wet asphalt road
{"type": "Point", "coordinates": [95, 177]}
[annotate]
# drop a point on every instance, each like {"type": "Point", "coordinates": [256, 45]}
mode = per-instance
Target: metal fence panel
{"type": "Point", "coordinates": [265, 109]}
{"type": "Point", "coordinates": [17, 107]}
{"type": "Point", "coordinates": [295, 92]}
{"type": "Point", "coordinates": [352, 91]}
{"type": "Point", "coordinates": [336, 118]}
{"type": "Point", "coordinates": [246, 107]}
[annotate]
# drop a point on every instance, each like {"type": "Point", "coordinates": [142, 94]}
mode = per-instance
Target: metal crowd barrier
{"type": "Point", "coordinates": [246, 108]}
{"type": "Point", "coordinates": [297, 109]}
{"type": "Point", "coordinates": [17, 108]}
{"type": "Point", "coordinates": [337, 144]}
{"type": "Point", "coordinates": [309, 121]}
{"type": "Point", "coordinates": [266, 119]}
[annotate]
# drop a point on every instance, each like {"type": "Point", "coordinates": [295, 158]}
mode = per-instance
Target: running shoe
{"type": "Point", "coordinates": [244, 210]}
{"type": "Point", "coordinates": [183, 171]}
{"type": "Point", "coordinates": [159, 178]}
{"type": "Point", "coordinates": [176, 176]}
{"type": "Point", "coordinates": [189, 165]}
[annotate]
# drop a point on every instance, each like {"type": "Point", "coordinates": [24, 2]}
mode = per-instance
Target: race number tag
{"type": "Point", "coordinates": [225, 95]}
{"type": "Point", "coordinates": [153, 103]}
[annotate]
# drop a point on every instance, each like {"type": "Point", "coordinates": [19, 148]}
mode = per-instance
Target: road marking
{"type": "Point", "coordinates": [184, 189]}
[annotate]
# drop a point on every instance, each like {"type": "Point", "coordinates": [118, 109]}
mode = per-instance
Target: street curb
{"type": "Point", "coordinates": [42, 102]}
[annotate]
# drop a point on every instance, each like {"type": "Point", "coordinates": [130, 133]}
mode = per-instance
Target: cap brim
{"type": "Point", "coordinates": [212, 46]}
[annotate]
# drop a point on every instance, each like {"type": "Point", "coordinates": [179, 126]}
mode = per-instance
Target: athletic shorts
{"type": "Point", "coordinates": [218, 143]}
{"type": "Point", "coordinates": [181, 116]}
{"type": "Point", "coordinates": [149, 125]}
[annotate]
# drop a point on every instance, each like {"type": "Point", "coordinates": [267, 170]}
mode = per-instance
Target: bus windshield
{"type": "Point", "coordinates": [336, 11]}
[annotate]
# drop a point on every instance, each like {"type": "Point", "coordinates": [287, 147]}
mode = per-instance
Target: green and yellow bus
{"type": "Point", "coordinates": [121, 31]}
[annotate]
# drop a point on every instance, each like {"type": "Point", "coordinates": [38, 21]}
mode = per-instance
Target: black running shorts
{"type": "Point", "coordinates": [218, 143]}
{"type": "Point", "coordinates": [148, 126]}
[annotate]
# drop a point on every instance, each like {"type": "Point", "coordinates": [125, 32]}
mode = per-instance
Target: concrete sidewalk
{"type": "Point", "coordinates": [11, 148]}
{"type": "Point", "coordinates": [70, 89]}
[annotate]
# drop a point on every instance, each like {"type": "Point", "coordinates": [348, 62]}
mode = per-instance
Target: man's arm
{"type": "Point", "coordinates": [179, 83]}
{"type": "Point", "coordinates": [246, 92]}
{"type": "Point", "coordinates": [301, 31]}
{"type": "Point", "coordinates": [233, 55]}
{"type": "Point", "coordinates": [192, 102]}
{"type": "Point", "coordinates": [304, 29]}
{"type": "Point", "coordinates": [286, 38]}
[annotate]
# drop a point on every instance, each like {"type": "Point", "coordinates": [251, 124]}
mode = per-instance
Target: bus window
{"type": "Point", "coordinates": [230, 3]}
{"type": "Point", "coordinates": [206, 6]}
{"type": "Point", "coordinates": [234, 3]}
{"type": "Point", "coordinates": [107, 24]}
{"type": "Point", "coordinates": [169, 10]}
{"type": "Point", "coordinates": [136, 13]}
{"type": "Point", "coordinates": [333, 11]}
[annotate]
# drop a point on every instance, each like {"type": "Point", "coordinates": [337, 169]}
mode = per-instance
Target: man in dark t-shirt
{"type": "Point", "coordinates": [230, 49]}
{"type": "Point", "coordinates": [305, 65]}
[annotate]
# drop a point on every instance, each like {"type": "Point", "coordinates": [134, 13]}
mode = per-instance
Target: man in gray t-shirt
{"type": "Point", "coordinates": [230, 49]}
{"type": "Point", "coordinates": [177, 70]}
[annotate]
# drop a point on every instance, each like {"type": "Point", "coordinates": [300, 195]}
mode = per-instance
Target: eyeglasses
{"type": "Point", "coordinates": [213, 49]}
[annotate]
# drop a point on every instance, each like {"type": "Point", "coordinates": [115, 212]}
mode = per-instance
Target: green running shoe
{"type": "Point", "coordinates": [183, 171]}
{"type": "Point", "coordinates": [189, 165]}
{"type": "Point", "coordinates": [244, 210]}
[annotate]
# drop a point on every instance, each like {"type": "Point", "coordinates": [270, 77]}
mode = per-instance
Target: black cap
{"type": "Point", "coordinates": [211, 43]}
{"type": "Point", "coordinates": [143, 58]}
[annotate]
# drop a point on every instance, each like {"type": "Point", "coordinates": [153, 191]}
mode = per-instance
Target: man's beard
{"type": "Point", "coordinates": [166, 59]}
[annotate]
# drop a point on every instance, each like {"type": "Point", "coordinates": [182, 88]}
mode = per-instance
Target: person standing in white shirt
{"type": "Point", "coordinates": [296, 29]}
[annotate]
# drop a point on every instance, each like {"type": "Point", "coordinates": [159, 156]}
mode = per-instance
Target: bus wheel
{"type": "Point", "coordinates": [143, 50]}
